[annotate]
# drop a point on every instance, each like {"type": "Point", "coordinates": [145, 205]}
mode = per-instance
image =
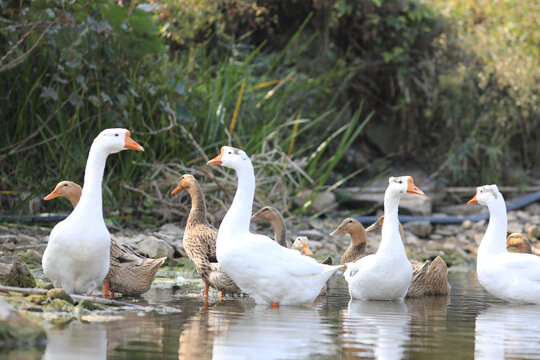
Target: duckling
{"type": "Point", "coordinates": [200, 240]}
{"type": "Point", "coordinates": [429, 277]}
{"type": "Point", "coordinates": [130, 274]}
{"type": "Point", "coordinates": [517, 242]}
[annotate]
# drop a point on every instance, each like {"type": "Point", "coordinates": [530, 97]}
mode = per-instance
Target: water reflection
{"type": "Point", "coordinates": [77, 341]}
{"type": "Point", "coordinates": [376, 328]}
{"type": "Point", "coordinates": [508, 331]}
{"type": "Point", "coordinates": [241, 330]}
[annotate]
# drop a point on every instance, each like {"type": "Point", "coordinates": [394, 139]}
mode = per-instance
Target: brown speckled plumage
{"type": "Point", "coordinates": [130, 273]}
{"type": "Point", "coordinates": [200, 239]}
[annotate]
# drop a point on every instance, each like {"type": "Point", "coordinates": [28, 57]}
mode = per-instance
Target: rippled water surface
{"type": "Point", "coordinates": [468, 323]}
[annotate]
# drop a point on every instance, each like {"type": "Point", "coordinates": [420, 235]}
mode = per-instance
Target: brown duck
{"type": "Point", "coordinates": [200, 240]}
{"type": "Point", "coordinates": [129, 274]}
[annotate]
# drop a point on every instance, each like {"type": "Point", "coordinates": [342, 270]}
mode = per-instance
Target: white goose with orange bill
{"type": "Point", "coordinates": [77, 255]}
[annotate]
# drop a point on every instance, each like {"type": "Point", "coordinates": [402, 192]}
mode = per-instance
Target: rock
{"type": "Point", "coordinates": [419, 228]}
{"type": "Point", "coordinates": [155, 248]}
{"type": "Point", "coordinates": [88, 305]}
{"type": "Point", "coordinates": [31, 256]}
{"type": "Point", "coordinates": [533, 232]}
{"type": "Point", "coordinates": [467, 224]}
{"type": "Point", "coordinates": [59, 305]}
{"type": "Point", "coordinates": [172, 229]}
{"type": "Point", "coordinates": [36, 298]}
{"type": "Point", "coordinates": [14, 272]}
{"type": "Point", "coordinates": [460, 209]}
{"type": "Point", "coordinates": [514, 227]}
{"type": "Point", "coordinates": [415, 205]}
{"type": "Point", "coordinates": [17, 329]}
{"type": "Point", "coordinates": [54, 294]}
{"type": "Point", "coordinates": [312, 234]}
{"type": "Point", "coordinates": [323, 201]}
{"type": "Point", "coordinates": [129, 239]}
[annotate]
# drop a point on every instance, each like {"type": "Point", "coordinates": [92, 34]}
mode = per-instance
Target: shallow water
{"type": "Point", "coordinates": [468, 323]}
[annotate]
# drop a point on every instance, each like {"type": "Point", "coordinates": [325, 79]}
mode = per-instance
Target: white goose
{"type": "Point", "coordinates": [387, 274]}
{"type": "Point", "coordinates": [77, 255]}
{"type": "Point", "coordinates": [267, 271]}
{"type": "Point", "coordinates": [509, 276]}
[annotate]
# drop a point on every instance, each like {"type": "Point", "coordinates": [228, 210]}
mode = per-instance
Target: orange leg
{"type": "Point", "coordinates": [206, 287]}
{"type": "Point", "coordinates": [106, 290]}
{"type": "Point", "coordinates": [274, 305]}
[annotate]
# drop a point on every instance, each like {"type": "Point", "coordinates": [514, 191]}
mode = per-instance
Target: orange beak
{"type": "Point", "coordinates": [217, 159]}
{"type": "Point", "coordinates": [473, 200]}
{"type": "Point", "coordinates": [413, 189]}
{"type": "Point", "coordinates": [130, 143]}
{"type": "Point", "coordinates": [177, 190]}
{"type": "Point", "coordinates": [306, 249]}
{"type": "Point", "coordinates": [53, 195]}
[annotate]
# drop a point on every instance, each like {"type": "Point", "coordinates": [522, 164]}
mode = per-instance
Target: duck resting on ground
{"type": "Point", "coordinates": [77, 256]}
{"type": "Point", "coordinates": [267, 271]}
{"type": "Point", "coordinates": [130, 274]}
{"type": "Point", "coordinates": [200, 240]}
{"type": "Point", "coordinates": [429, 277]}
{"type": "Point", "coordinates": [387, 274]}
{"type": "Point", "coordinates": [513, 277]}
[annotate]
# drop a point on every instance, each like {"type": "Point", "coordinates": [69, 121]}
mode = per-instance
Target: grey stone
{"type": "Point", "coordinates": [533, 232]}
{"type": "Point", "coordinates": [155, 248]}
{"type": "Point", "coordinates": [14, 272]}
{"type": "Point", "coordinates": [172, 229]}
{"type": "Point", "coordinates": [15, 328]}
{"type": "Point", "coordinates": [323, 201]}
{"type": "Point", "coordinates": [419, 228]}
{"type": "Point", "coordinates": [514, 227]}
{"type": "Point", "coordinates": [415, 205]}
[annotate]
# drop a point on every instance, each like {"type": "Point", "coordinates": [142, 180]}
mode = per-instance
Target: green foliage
{"type": "Point", "coordinates": [101, 65]}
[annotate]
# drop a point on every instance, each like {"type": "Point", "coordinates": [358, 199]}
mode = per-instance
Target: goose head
{"type": "Point", "coordinates": [519, 242]}
{"type": "Point", "coordinates": [485, 195]}
{"type": "Point", "coordinates": [267, 213]}
{"type": "Point", "coordinates": [68, 189]}
{"type": "Point", "coordinates": [302, 244]}
{"type": "Point", "coordinates": [116, 140]}
{"type": "Point", "coordinates": [349, 226]}
{"type": "Point", "coordinates": [401, 185]}
{"type": "Point", "coordinates": [230, 157]}
{"type": "Point", "coordinates": [185, 182]}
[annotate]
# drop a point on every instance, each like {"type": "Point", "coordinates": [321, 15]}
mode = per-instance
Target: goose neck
{"type": "Point", "coordinates": [391, 239]}
{"type": "Point", "coordinates": [494, 240]}
{"type": "Point", "coordinates": [91, 196]}
{"type": "Point", "coordinates": [238, 217]}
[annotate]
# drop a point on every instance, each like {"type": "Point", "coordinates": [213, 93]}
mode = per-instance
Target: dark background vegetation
{"type": "Point", "coordinates": [340, 89]}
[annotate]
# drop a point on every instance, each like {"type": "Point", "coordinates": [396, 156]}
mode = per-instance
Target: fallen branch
{"type": "Point", "coordinates": [75, 297]}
